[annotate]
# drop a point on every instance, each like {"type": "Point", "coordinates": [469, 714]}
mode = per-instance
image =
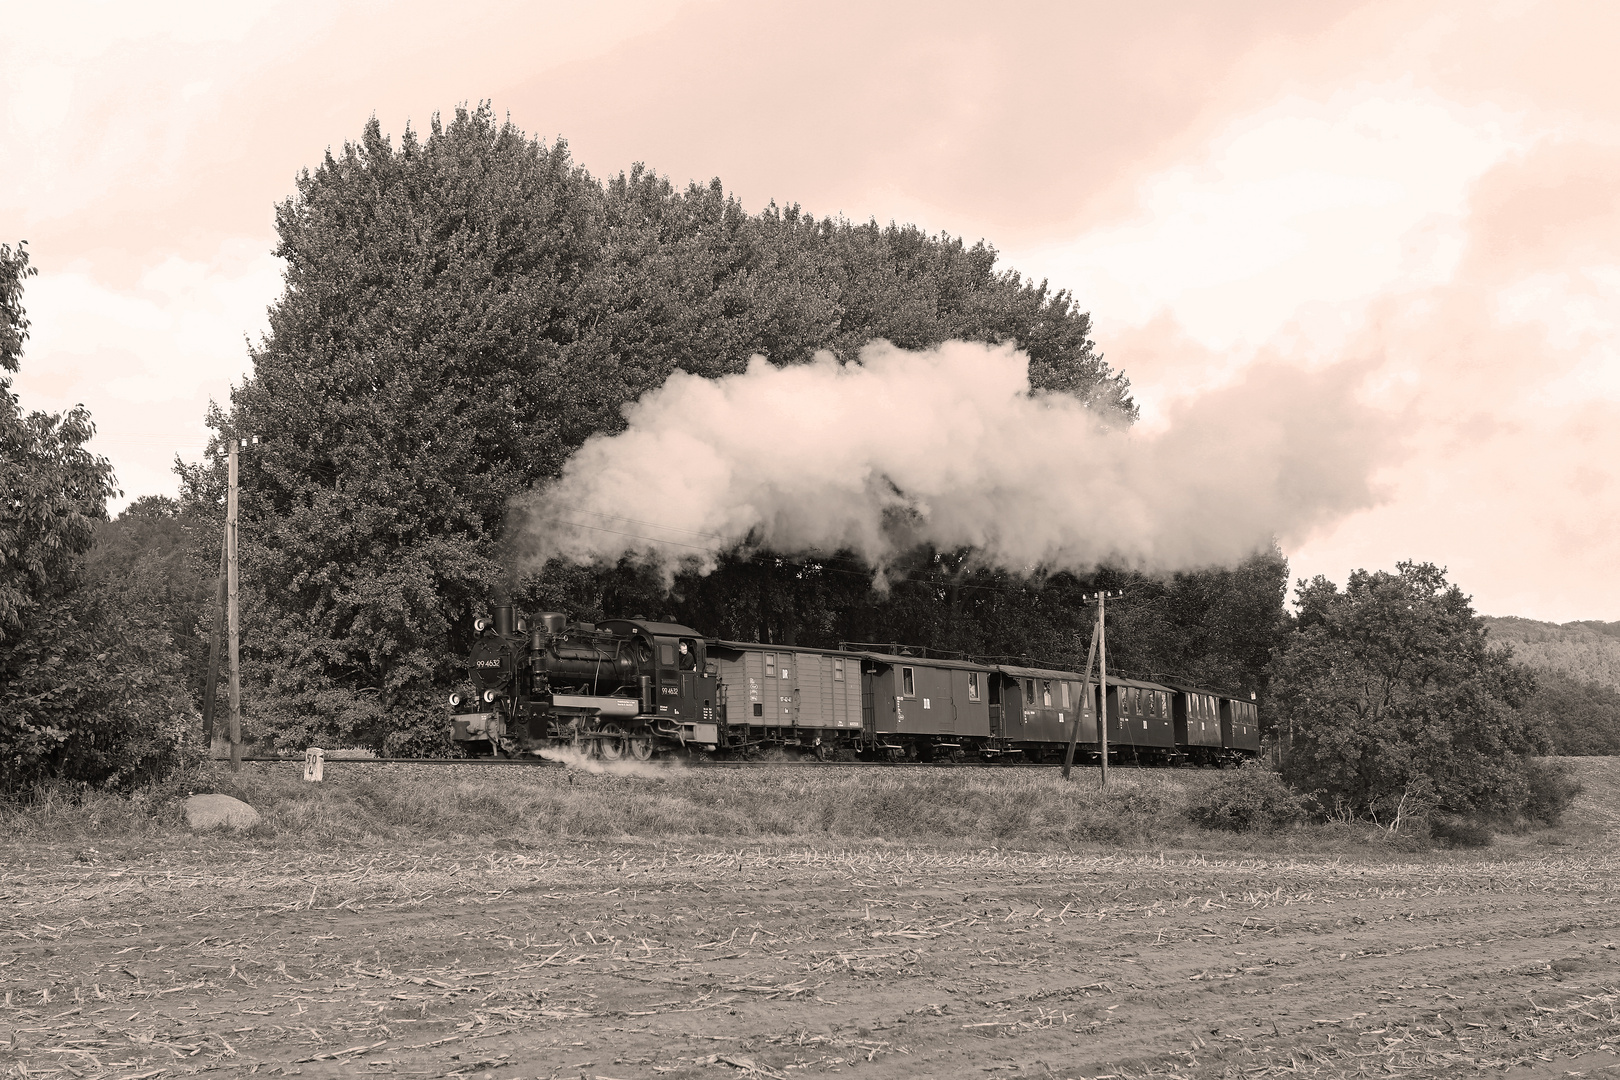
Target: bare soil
{"type": "Point", "coordinates": [623, 961]}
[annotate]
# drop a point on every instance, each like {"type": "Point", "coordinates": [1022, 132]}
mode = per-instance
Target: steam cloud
{"type": "Point", "coordinates": [950, 447]}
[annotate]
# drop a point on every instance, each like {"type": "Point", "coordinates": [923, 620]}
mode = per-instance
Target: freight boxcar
{"type": "Point", "coordinates": [784, 695]}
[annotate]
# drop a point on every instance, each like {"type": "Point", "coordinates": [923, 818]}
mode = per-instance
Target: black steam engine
{"type": "Point", "coordinates": [623, 688]}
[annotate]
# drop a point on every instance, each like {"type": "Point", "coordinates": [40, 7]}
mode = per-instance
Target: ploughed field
{"type": "Point", "coordinates": [166, 954]}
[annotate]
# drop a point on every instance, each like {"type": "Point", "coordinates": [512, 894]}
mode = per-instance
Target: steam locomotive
{"type": "Point", "coordinates": [631, 688]}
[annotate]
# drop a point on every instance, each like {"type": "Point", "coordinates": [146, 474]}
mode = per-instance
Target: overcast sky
{"type": "Point", "coordinates": [1427, 190]}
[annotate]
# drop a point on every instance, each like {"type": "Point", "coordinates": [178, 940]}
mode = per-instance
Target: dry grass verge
{"type": "Point", "coordinates": [524, 806]}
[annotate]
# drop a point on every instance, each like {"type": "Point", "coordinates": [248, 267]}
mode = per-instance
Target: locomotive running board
{"type": "Point", "coordinates": [606, 706]}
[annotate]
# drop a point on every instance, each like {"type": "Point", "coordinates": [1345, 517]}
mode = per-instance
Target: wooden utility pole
{"type": "Point", "coordinates": [1085, 698]}
{"type": "Point", "coordinates": [232, 622]}
{"type": "Point", "coordinates": [1102, 681]}
{"type": "Point", "coordinates": [211, 690]}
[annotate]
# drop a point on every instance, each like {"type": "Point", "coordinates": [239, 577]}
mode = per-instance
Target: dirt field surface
{"type": "Point", "coordinates": [631, 960]}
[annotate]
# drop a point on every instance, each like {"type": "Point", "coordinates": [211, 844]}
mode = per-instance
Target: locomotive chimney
{"type": "Point", "coordinates": [503, 620]}
{"type": "Point", "coordinates": [549, 624]}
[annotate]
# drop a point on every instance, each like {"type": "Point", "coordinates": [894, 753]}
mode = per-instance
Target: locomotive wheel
{"type": "Point", "coordinates": [611, 745]}
{"type": "Point", "coordinates": [640, 746]}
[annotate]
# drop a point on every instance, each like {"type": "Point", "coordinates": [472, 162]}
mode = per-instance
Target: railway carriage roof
{"type": "Point", "coordinates": [1036, 673]}
{"type": "Point", "coordinates": [756, 646]}
{"type": "Point", "coordinates": [1191, 688]}
{"type": "Point", "coordinates": [1112, 681]}
{"type": "Point", "coordinates": [896, 660]}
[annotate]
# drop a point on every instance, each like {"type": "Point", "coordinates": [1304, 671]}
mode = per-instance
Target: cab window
{"type": "Point", "coordinates": [666, 654]}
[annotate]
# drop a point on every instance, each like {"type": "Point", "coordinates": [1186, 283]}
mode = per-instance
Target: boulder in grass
{"type": "Point", "coordinates": [215, 811]}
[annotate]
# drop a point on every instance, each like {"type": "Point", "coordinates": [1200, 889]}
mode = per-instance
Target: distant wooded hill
{"type": "Point", "coordinates": [1578, 667]}
{"type": "Point", "coordinates": [1588, 651]}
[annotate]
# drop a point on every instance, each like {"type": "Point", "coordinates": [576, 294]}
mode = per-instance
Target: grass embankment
{"type": "Point", "coordinates": [1026, 809]}
{"type": "Point", "coordinates": [537, 805]}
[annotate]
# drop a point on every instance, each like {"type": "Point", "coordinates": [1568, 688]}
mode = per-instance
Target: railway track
{"type": "Point", "coordinates": [689, 763]}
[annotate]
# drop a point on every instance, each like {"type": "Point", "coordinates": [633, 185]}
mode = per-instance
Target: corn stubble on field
{"type": "Point", "coordinates": [373, 926]}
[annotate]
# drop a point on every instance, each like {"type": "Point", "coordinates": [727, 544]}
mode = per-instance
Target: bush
{"type": "Point", "coordinates": [1552, 787]}
{"type": "Point", "coordinates": [1461, 832]}
{"type": "Point", "coordinates": [1251, 799]}
{"type": "Point", "coordinates": [96, 697]}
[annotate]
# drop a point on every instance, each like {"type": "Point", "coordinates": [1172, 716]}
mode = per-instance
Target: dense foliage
{"type": "Point", "coordinates": [462, 310]}
{"type": "Point", "coordinates": [91, 688]}
{"type": "Point", "coordinates": [1580, 717]}
{"type": "Point", "coordinates": [1391, 702]}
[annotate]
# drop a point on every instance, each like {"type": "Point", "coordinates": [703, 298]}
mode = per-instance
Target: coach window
{"type": "Point", "coordinates": [770, 665]}
{"type": "Point", "coordinates": [1065, 689]}
{"type": "Point", "coordinates": [838, 669]}
{"type": "Point", "coordinates": [973, 686]}
{"type": "Point", "coordinates": [1046, 693]}
{"type": "Point", "coordinates": [908, 682]}
{"type": "Point", "coordinates": [1029, 692]}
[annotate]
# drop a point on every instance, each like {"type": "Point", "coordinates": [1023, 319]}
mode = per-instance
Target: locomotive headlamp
{"type": "Point", "coordinates": [491, 695]}
{"type": "Point", "coordinates": [481, 624]}
{"type": "Point", "coordinates": [455, 699]}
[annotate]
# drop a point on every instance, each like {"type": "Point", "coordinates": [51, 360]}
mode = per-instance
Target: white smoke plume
{"type": "Point", "coordinates": [950, 447]}
{"type": "Point", "coordinates": [582, 762]}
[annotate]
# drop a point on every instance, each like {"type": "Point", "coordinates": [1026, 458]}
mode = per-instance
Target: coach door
{"type": "Point", "coordinates": [810, 697]}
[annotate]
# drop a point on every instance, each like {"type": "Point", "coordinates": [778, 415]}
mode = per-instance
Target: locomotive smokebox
{"type": "Point", "coordinates": [503, 620]}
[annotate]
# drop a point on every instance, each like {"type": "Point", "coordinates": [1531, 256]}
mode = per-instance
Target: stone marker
{"type": "Point", "coordinates": [212, 811]}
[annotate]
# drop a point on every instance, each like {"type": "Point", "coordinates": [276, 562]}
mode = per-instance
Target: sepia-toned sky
{"type": "Point", "coordinates": [1425, 190]}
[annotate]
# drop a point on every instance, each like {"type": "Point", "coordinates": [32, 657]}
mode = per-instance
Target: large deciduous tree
{"type": "Point", "coordinates": [461, 312]}
{"type": "Point", "coordinates": [1387, 692]}
{"type": "Point", "coordinates": [90, 690]}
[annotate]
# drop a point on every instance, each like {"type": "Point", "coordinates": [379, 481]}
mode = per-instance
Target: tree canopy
{"type": "Point", "coordinates": [1388, 691]}
{"type": "Point", "coordinates": [460, 313]}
